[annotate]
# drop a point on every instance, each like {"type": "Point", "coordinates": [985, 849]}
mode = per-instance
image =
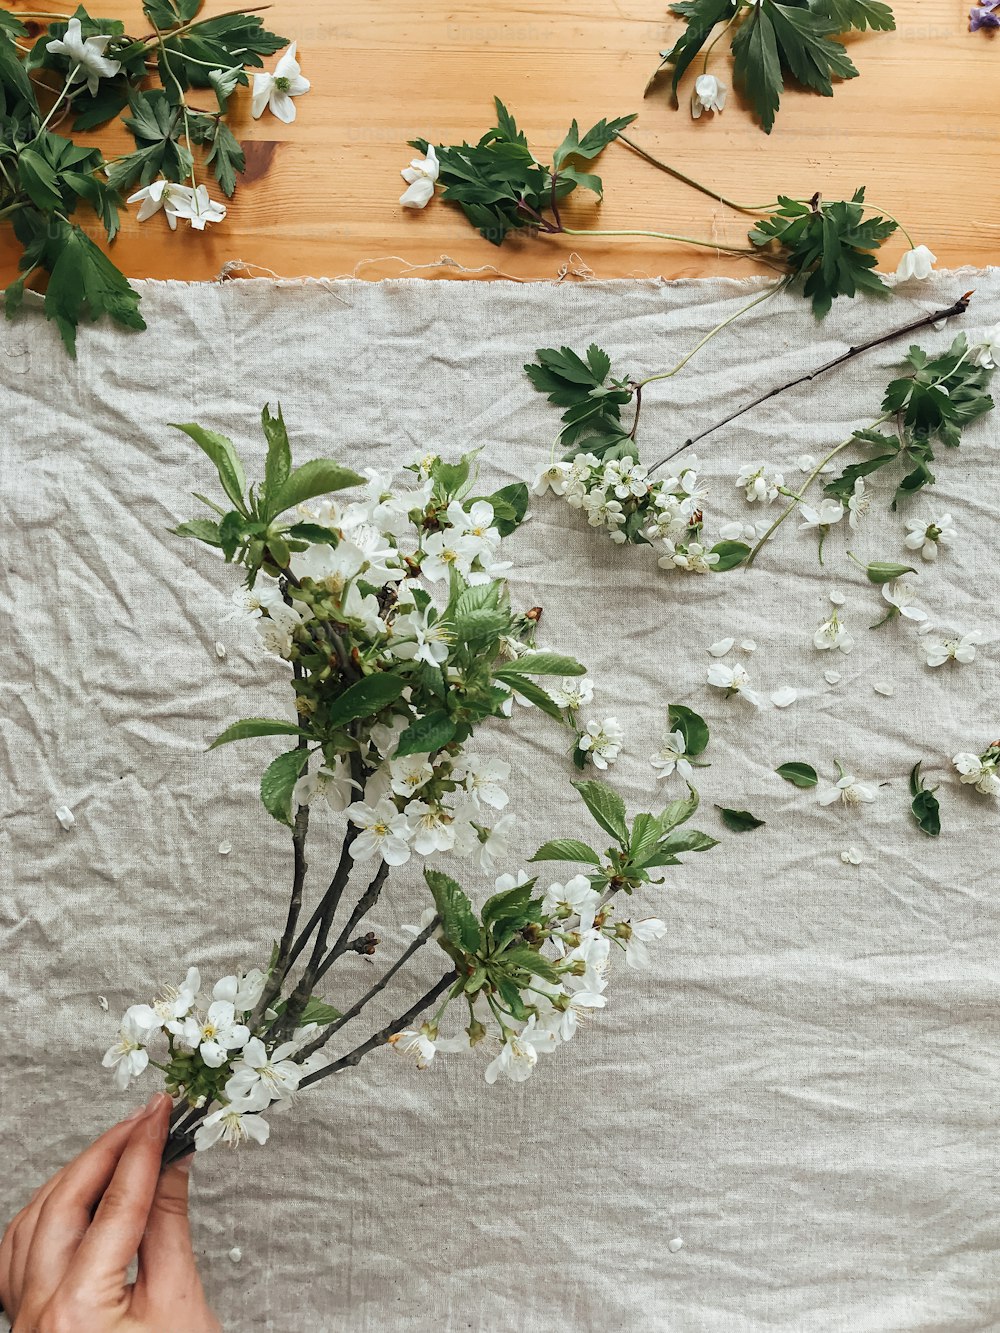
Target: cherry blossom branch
{"type": "Point", "coordinates": [417, 943]}
{"type": "Point", "coordinates": [958, 307]}
{"type": "Point", "coordinates": [382, 1036]}
{"type": "Point", "coordinates": [365, 903]}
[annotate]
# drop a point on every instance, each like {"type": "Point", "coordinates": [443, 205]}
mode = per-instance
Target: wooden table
{"type": "Point", "coordinates": [919, 128]}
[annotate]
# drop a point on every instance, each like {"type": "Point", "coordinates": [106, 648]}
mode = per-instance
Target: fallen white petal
{"type": "Point", "coordinates": [102, 1000]}
{"type": "Point", "coordinates": [880, 687]}
{"type": "Point", "coordinates": [65, 816]}
{"type": "Point", "coordinates": [220, 650]}
{"type": "Point", "coordinates": [675, 1245]}
{"type": "Point", "coordinates": [236, 1254]}
{"type": "Point", "coordinates": [831, 677]}
{"type": "Point", "coordinates": [225, 848]}
{"type": "Point", "coordinates": [783, 697]}
{"type": "Point", "coordinates": [721, 648]}
{"type": "Point", "coordinates": [852, 857]}
{"type": "Point", "coordinates": [748, 646]}
{"type": "Point", "coordinates": [837, 598]}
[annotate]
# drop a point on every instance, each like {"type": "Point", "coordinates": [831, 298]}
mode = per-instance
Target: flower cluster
{"type": "Point", "coordinates": [980, 770]}
{"type": "Point", "coordinates": [618, 496]}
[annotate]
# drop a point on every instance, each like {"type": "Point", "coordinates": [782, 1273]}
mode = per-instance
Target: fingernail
{"type": "Point", "coordinates": [156, 1102]}
{"type": "Point", "coordinates": [134, 1115]}
{"type": "Point", "coordinates": [186, 1163]}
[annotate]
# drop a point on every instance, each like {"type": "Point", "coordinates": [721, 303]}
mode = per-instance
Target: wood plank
{"type": "Point", "coordinates": [918, 127]}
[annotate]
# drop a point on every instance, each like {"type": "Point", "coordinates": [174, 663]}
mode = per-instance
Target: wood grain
{"type": "Point", "coordinates": [918, 127]}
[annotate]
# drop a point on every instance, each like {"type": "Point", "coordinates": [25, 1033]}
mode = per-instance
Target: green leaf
{"type": "Point", "coordinates": [540, 664]}
{"type": "Point", "coordinates": [925, 807]}
{"type": "Point", "coordinates": [730, 555]}
{"type": "Point", "coordinates": [278, 783]}
{"type": "Point", "coordinates": [829, 246]}
{"type": "Point", "coordinates": [884, 571]}
{"type": "Point", "coordinates": [593, 142]}
{"type": "Point", "coordinates": [427, 734]}
{"type": "Point", "coordinates": [39, 180]}
{"type": "Point", "coordinates": [757, 65]}
{"type": "Point", "coordinates": [318, 1011]}
{"type": "Point", "coordinates": [799, 775]}
{"type": "Point", "coordinates": [202, 529]}
{"type": "Point", "coordinates": [527, 959]}
{"type": "Point", "coordinates": [692, 727]}
{"type": "Point", "coordinates": [858, 15]}
{"type": "Point", "coordinates": [364, 698]}
{"type": "Point", "coordinates": [680, 811]}
{"type": "Point", "coordinates": [319, 477]}
{"type": "Point", "coordinates": [739, 821]}
{"type": "Point", "coordinates": [534, 694]}
{"type": "Point", "coordinates": [83, 282]}
{"type": "Point", "coordinates": [606, 806]}
{"type": "Point", "coordinates": [226, 158]}
{"type": "Point", "coordinates": [221, 42]}
{"type": "Point", "coordinates": [458, 921]}
{"type": "Point", "coordinates": [566, 849]}
{"type": "Point", "coordinates": [108, 102]}
{"type": "Point", "coordinates": [687, 840]}
{"type": "Point", "coordinates": [512, 909]}
{"type": "Point", "coordinates": [223, 454]}
{"type": "Point", "coordinates": [279, 452]}
{"type": "Point", "coordinates": [702, 17]}
{"type": "Point", "coordinates": [256, 726]}
{"type": "Point", "coordinates": [510, 504]}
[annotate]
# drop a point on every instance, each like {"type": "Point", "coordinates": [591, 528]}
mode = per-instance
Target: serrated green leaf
{"type": "Point", "coordinates": [427, 734]}
{"type": "Point", "coordinates": [540, 664]}
{"type": "Point", "coordinates": [222, 452]}
{"type": "Point", "coordinates": [739, 821]}
{"type": "Point", "coordinates": [606, 806]}
{"type": "Point", "coordinates": [318, 477]}
{"type": "Point", "coordinates": [278, 783]}
{"type": "Point", "coordinates": [252, 727]}
{"type": "Point", "coordinates": [364, 698]}
{"type": "Point", "coordinates": [679, 811]}
{"type": "Point", "coordinates": [798, 774]}
{"type": "Point", "coordinates": [278, 465]}
{"type": "Point", "coordinates": [458, 921]}
{"type": "Point", "coordinates": [202, 529]}
{"type": "Point", "coordinates": [566, 849]}
{"type": "Point", "coordinates": [687, 840]}
{"type": "Point", "coordinates": [534, 694]}
{"type": "Point", "coordinates": [83, 283]}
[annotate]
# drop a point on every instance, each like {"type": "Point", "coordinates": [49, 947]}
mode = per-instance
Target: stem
{"type": "Point", "coordinates": [958, 307]}
{"type": "Point", "coordinates": [717, 38]}
{"type": "Point", "coordinates": [662, 236]}
{"type": "Point", "coordinates": [638, 408]}
{"type": "Point", "coordinates": [370, 994]}
{"type": "Point", "coordinates": [382, 1036]}
{"type": "Point", "coordinates": [765, 296]}
{"type": "Point", "coordinates": [851, 439]}
{"type": "Point", "coordinates": [58, 102]}
{"type": "Point", "coordinates": [695, 185]}
{"type": "Point", "coordinates": [365, 903]}
{"type": "Point", "coordinates": [155, 37]}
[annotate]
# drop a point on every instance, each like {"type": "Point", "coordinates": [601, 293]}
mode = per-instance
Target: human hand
{"type": "Point", "coordinates": [64, 1256]}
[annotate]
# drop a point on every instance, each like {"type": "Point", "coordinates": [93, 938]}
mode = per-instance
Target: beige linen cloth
{"type": "Point", "coordinates": [803, 1089]}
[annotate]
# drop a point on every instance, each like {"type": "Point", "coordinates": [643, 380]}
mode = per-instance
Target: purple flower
{"type": "Point", "coordinates": [984, 15]}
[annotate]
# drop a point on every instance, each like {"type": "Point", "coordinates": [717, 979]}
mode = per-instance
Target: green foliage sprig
{"type": "Point", "coordinates": [45, 177]}
{"type": "Point", "coordinates": [773, 42]}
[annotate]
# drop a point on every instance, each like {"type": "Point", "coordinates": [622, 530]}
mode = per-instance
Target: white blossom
{"type": "Point", "coordinates": [214, 1034]}
{"type": "Point", "coordinates": [901, 593]}
{"type": "Point", "coordinates": [734, 680]}
{"type": "Point", "coordinates": [128, 1057]}
{"type": "Point", "coordinates": [987, 351]}
{"type": "Point", "coordinates": [234, 1124]}
{"type": "Point", "coordinates": [87, 61]}
{"type": "Point", "coordinates": [259, 1079]}
{"type": "Point", "coordinates": [602, 740]}
{"type": "Point", "coordinates": [695, 558]}
{"type": "Point", "coordinates": [335, 786]}
{"type": "Point", "coordinates": [917, 262]}
{"type": "Point", "coordinates": [927, 537]}
{"type": "Point", "coordinates": [848, 790]}
{"type": "Point", "coordinates": [832, 634]}
{"type": "Point", "coordinates": [576, 897]}
{"type": "Point", "coordinates": [420, 177]}
{"type": "Point", "coordinates": [520, 1052]}
{"type": "Point", "coordinates": [760, 482]}
{"type": "Point", "coordinates": [572, 692]}
{"type": "Point", "coordinates": [672, 757]}
{"type": "Point", "coordinates": [241, 990]}
{"type": "Point", "coordinates": [643, 933]}
{"type": "Point", "coordinates": [940, 649]}
{"type": "Point", "coordinates": [482, 777]}
{"type": "Point", "coordinates": [977, 772]}
{"type": "Point", "coordinates": [431, 827]}
{"type": "Point", "coordinates": [858, 503]}
{"type": "Point", "coordinates": [709, 94]}
{"type": "Point", "coordinates": [176, 1002]}
{"type": "Point", "coordinates": [829, 513]}
{"type": "Point", "coordinates": [553, 478]}
{"type": "Point", "coordinates": [277, 90]}
{"type": "Point", "coordinates": [385, 832]}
